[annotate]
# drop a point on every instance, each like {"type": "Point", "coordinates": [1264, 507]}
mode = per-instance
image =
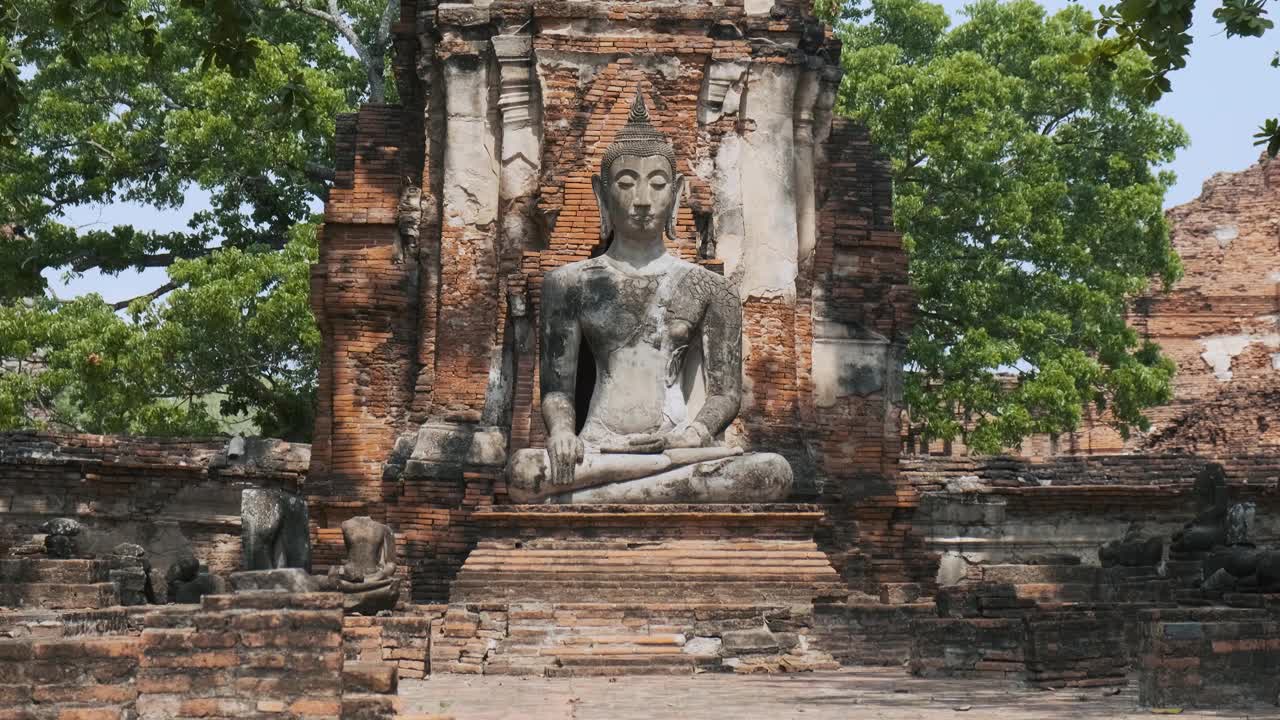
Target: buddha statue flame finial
{"type": "Point", "coordinates": [638, 138]}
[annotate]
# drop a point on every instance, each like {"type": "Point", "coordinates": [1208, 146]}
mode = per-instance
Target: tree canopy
{"type": "Point", "coordinates": [1027, 190]}
{"type": "Point", "coordinates": [1161, 29]}
{"type": "Point", "coordinates": [1025, 184]}
{"type": "Point", "coordinates": [142, 101]}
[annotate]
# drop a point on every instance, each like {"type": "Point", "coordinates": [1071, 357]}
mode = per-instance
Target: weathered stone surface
{"type": "Point", "coordinates": [1134, 550]}
{"type": "Point", "coordinates": [274, 530]}
{"type": "Point", "coordinates": [60, 538]}
{"type": "Point", "coordinates": [369, 677]}
{"type": "Point", "coordinates": [131, 572]}
{"type": "Point", "coordinates": [368, 577]}
{"type": "Point", "coordinates": [639, 310]}
{"type": "Point", "coordinates": [755, 640]}
{"type": "Point", "coordinates": [285, 580]}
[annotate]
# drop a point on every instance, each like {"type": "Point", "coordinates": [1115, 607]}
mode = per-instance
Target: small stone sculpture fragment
{"type": "Point", "coordinates": [368, 577]}
{"type": "Point", "coordinates": [1135, 549]}
{"type": "Point", "coordinates": [645, 316]}
{"type": "Point", "coordinates": [1209, 529]}
{"type": "Point", "coordinates": [60, 540]}
{"type": "Point", "coordinates": [187, 582]}
{"type": "Point", "coordinates": [274, 530]}
{"type": "Point", "coordinates": [131, 573]}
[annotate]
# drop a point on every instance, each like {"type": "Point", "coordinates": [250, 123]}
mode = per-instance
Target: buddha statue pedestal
{"type": "Point", "coordinates": [559, 590]}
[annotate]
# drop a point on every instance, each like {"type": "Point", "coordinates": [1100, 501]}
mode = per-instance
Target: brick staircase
{"type": "Point", "coordinates": [369, 691]}
{"type": "Point", "coordinates": [671, 571]}
{"type": "Point", "coordinates": [56, 584]}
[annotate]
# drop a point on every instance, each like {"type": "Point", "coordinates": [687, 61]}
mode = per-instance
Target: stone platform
{"type": "Point", "coordinates": [628, 589]}
{"type": "Point", "coordinates": [56, 584]}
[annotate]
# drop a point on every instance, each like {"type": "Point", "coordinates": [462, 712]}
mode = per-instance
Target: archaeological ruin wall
{"type": "Point", "coordinates": [449, 209]}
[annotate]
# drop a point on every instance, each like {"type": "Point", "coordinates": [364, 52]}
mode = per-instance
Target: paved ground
{"type": "Point", "coordinates": [863, 693]}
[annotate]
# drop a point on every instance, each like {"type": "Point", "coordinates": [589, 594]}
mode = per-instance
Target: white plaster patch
{"type": "Point", "coordinates": [1275, 361]}
{"type": "Point", "coordinates": [1224, 234]}
{"type": "Point", "coordinates": [1220, 350]}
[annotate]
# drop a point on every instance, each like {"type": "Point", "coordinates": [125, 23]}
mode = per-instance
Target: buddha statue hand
{"type": "Point", "coordinates": [694, 435]}
{"type": "Point", "coordinates": [565, 451]}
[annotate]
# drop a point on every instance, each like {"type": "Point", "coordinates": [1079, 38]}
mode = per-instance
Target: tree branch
{"type": "Point", "coordinates": [88, 262]}
{"type": "Point", "coordinates": [372, 59]}
{"type": "Point", "coordinates": [163, 289]}
{"type": "Point", "coordinates": [389, 15]}
{"type": "Point", "coordinates": [319, 172]}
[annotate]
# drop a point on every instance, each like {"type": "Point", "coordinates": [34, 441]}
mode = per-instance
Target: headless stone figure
{"type": "Point", "coordinates": [1209, 529]}
{"type": "Point", "coordinates": [645, 316]}
{"type": "Point", "coordinates": [368, 577]}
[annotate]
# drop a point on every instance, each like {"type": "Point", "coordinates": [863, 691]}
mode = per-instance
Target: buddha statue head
{"type": "Point", "coordinates": [638, 189]}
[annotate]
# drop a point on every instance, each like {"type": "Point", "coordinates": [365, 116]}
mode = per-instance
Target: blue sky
{"type": "Point", "coordinates": [1221, 97]}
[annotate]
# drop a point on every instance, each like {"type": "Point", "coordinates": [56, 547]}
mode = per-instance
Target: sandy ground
{"type": "Point", "coordinates": [887, 693]}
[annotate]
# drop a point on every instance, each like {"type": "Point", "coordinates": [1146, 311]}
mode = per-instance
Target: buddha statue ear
{"type": "Point", "coordinates": [677, 196]}
{"type": "Point", "coordinates": [602, 204]}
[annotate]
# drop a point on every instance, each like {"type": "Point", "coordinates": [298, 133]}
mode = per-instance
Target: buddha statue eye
{"type": "Point", "coordinates": [625, 182]}
{"type": "Point", "coordinates": [658, 183]}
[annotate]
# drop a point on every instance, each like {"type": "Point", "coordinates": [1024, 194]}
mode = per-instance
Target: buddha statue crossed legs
{"type": "Point", "coordinates": [645, 315]}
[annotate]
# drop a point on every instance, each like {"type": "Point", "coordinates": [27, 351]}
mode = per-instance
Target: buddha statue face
{"type": "Point", "coordinates": [640, 195]}
{"type": "Point", "coordinates": [638, 189]}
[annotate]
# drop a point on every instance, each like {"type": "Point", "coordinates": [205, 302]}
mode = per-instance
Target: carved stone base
{"type": "Point", "coordinates": [623, 589]}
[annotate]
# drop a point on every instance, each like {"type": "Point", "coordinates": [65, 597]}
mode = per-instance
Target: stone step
{"type": "Point", "coordinates": [647, 555]}
{"type": "Point", "coordinates": [682, 562]}
{"type": "Point", "coordinates": [656, 579]}
{"type": "Point", "coordinates": [1058, 592]}
{"type": "Point", "coordinates": [369, 677]}
{"type": "Point", "coordinates": [40, 570]}
{"type": "Point", "coordinates": [1040, 574]}
{"type": "Point", "coordinates": [60, 596]}
{"type": "Point", "coordinates": [655, 640]}
{"type": "Point", "coordinates": [620, 660]}
{"type": "Point", "coordinates": [362, 706]}
{"type": "Point", "coordinates": [704, 590]}
{"type": "Point", "coordinates": [617, 670]}
{"type": "Point", "coordinates": [564, 651]}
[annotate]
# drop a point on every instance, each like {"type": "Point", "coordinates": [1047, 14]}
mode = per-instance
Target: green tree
{"type": "Point", "coordinates": [1025, 186]}
{"type": "Point", "coordinates": [1161, 29]}
{"type": "Point", "coordinates": [234, 338]}
{"type": "Point", "coordinates": [141, 101]}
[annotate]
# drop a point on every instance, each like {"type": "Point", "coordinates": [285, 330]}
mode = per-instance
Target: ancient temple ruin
{"type": "Point", "coordinates": [426, 531]}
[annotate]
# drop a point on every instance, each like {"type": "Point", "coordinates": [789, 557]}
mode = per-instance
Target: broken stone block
{"type": "Point", "coordinates": [60, 540]}
{"type": "Point", "coordinates": [288, 580]}
{"type": "Point", "coordinates": [757, 640]}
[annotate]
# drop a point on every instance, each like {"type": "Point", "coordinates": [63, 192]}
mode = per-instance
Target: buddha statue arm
{"type": "Point", "coordinates": [558, 366]}
{"type": "Point", "coordinates": [721, 330]}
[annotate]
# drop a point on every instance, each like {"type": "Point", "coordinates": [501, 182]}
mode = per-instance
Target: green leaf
{"type": "Point", "coordinates": [1029, 190]}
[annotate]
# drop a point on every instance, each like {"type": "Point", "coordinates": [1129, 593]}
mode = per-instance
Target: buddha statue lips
{"type": "Point", "coordinates": [657, 327]}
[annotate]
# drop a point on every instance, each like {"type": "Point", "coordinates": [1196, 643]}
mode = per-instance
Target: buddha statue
{"type": "Point", "coordinates": [368, 578]}
{"type": "Point", "coordinates": [666, 338]}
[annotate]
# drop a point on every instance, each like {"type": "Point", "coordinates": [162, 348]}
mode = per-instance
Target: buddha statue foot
{"type": "Point", "coordinates": [729, 477]}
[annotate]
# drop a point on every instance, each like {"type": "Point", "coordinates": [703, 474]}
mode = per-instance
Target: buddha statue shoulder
{"type": "Point", "coordinates": [657, 327]}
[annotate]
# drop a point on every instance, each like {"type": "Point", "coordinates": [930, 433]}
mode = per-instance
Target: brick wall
{"type": "Point", "coordinates": [422, 336]}
{"type": "Point", "coordinates": [169, 495]}
{"type": "Point", "coordinates": [1209, 657]}
{"type": "Point", "coordinates": [256, 655]}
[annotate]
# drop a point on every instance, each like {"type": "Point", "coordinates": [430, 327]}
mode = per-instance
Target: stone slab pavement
{"type": "Point", "coordinates": [879, 693]}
